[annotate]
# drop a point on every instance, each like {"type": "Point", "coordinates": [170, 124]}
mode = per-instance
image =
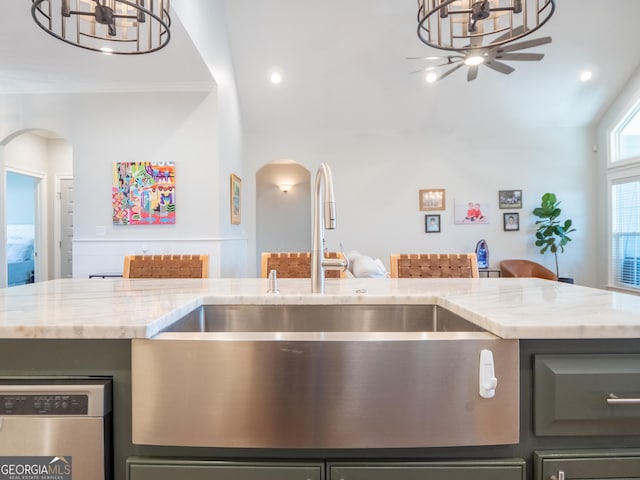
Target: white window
{"type": "Point", "coordinates": [626, 137]}
{"type": "Point", "coordinates": [625, 232]}
{"type": "Point", "coordinates": [624, 187]}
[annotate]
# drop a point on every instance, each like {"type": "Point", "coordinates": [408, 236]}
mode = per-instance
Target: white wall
{"type": "Point", "coordinates": [377, 178]}
{"type": "Point", "coordinates": [107, 128]}
{"type": "Point", "coordinates": [205, 22]}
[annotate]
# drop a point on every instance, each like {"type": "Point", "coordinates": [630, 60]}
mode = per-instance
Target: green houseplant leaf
{"type": "Point", "coordinates": [551, 233]}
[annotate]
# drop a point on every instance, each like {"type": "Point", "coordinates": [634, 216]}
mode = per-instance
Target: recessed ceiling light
{"type": "Point", "coordinates": [586, 76]}
{"type": "Point", "coordinates": [431, 77]}
{"type": "Point", "coordinates": [276, 78]}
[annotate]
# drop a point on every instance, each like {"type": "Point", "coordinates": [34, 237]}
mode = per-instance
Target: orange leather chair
{"type": "Point", "coordinates": [525, 268]}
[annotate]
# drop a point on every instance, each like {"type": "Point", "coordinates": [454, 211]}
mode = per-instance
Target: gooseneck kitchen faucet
{"type": "Point", "coordinates": [324, 206]}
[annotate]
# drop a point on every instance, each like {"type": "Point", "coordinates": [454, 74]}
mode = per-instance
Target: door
{"type": "Point", "coordinates": [66, 228]}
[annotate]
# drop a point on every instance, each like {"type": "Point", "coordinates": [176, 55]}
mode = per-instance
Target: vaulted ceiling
{"type": "Point", "coordinates": [344, 67]}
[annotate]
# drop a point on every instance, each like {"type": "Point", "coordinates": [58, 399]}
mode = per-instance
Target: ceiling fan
{"type": "Point", "coordinates": [489, 56]}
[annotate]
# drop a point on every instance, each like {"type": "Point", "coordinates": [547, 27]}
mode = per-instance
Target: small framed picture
{"type": "Point", "coordinates": [432, 223]}
{"type": "Point", "coordinates": [470, 212]}
{"type": "Point", "coordinates": [235, 198]}
{"type": "Point", "coordinates": [431, 199]}
{"type": "Point", "coordinates": [510, 198]}
{"type": "Point", "coordinates": [511, 221]}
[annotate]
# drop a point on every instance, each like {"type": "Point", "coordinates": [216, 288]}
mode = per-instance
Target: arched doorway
{"type": "Point", "coordinates": [37, 168]}
{"type": "Point", "coordinates": [283, 208]}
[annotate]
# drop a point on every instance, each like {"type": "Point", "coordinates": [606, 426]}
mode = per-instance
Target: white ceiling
{"type": "Point", "coordinates": [344, 67]}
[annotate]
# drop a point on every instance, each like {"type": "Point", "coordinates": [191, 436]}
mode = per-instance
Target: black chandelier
{"type": "Point", "coordinates": [110, 26]}
{"type": "Point", "coordinates": [463, 25]}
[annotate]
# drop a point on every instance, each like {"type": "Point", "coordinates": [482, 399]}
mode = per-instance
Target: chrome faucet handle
{"type": "Point", "coordinates": [341, 264]}
{"type": "Point", "coordinates": [335, 264]}
{"type": "Point", "coordinates": [273, 282]}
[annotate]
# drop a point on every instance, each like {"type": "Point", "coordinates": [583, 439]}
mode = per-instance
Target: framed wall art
{"type": "Point", "coordinates": [432, 223]}
{"type": "Point", "coordinates": [431, 199]}
{"type": "Point", "coordinates": [471, 213]}
{"type": "Point", "coordinates": [511, 221]}
{"type": "Point", "coordinates": [143, 193]}
{"type": "Point", "coordinates": [510, 198]}
{"type": "Point", "coordinates": [235, 198]}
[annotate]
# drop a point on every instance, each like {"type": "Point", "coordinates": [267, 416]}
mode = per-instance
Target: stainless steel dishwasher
{"type": "Point", "coordinates": [55, 428]}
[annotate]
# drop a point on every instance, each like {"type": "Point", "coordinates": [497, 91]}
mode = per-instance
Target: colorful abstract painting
{"type": "Point", "coordinates": [143, 193]}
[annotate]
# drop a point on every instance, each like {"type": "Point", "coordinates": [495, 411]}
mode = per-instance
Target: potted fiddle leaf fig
{"type": "Point", "coordinates": [552, 233]}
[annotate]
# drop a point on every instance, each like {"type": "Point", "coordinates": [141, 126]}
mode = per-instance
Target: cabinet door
{"type": "Point", "coordinates": [508, 469]}
{"type": "Point", "coordinates": [587, 394]}
{"type": "Point", "coordinates": [588, 464]}
{"type": "Point", "coordinates": [159, 469]}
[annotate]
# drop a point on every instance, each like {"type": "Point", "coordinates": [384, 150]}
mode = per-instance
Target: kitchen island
{"type": "Point", "coordinates": [86, 327]}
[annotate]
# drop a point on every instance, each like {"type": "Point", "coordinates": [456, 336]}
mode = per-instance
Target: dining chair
{"type": "Point", "coordinates": [434, 265]}
{"type": "Point", "coordinates": [166, 266]}
{"type": "Point", "coordinates": [295, 264]}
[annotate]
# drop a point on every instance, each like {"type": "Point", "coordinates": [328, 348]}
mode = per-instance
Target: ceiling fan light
{"type": "Point", "coordinates": [473, 60]}
{"type": "Point", "coordinates": [431, 77]}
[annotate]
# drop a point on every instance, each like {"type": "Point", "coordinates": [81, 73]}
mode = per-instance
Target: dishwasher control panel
{"type": "Point", "coordinates": [43, 404]}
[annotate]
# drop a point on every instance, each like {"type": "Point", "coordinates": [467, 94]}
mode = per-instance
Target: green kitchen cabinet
{"type": "Point", "coordinates": [620, 464]}
{"type": "Point", "coordinates": [503, 469]}
{"type": "Point", "coordinates": [185, 469]}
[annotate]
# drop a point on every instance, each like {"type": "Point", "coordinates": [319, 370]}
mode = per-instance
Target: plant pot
{"type": "Point", "coordinates": [565, 279]}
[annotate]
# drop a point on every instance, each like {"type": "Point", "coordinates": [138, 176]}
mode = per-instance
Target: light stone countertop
{"type": "Point", "coordinates": [507, 307]}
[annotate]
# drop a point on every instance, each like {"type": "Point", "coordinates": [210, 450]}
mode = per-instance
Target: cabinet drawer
{"type": "Point", "coordinates": [574, 395]}
{"type": "Point", "coordinates": [173, 469]}
{"type": "Point", "coordinates": [502, 469]}
{"type": "Point", "coordinates": [578, 465]}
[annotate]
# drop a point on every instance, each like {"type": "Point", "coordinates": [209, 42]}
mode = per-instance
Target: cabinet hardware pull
{"type": "Point", "coordinates": [559, 477]}
{"type": "Point", "coordinates": [613, 399]}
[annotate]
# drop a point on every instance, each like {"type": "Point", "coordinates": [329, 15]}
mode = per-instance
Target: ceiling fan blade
{"type": "Point", "coordinates": [425, 58]}
{"type": "Point", "coordinates": [472, 73]}
{"type": "Point", "coordinates": [511, 33]}
{"type": "Point", "coordinates": [529, 57]}
{"type": "Point", "coordinates": [433, 67]}
{"type": "Point", "coordinates": [523, 45]}
{"type": "Point", "coordinates": [499, 66]}
{"type": "Point", "coordinates": [450, 71]}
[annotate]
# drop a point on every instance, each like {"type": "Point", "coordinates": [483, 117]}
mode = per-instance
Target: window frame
{"type": "Point", "coordinates": [618, 176]}
{"type": "Point", "coordinates": [613, 158]}
{"type": "Point", "coordinates": [619, 171]}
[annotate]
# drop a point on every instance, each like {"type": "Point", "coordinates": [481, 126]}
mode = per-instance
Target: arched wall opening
{"type": "Point", "coordinates": [283, 208]}
{"type": "Point", "coordinates": [36, 165]}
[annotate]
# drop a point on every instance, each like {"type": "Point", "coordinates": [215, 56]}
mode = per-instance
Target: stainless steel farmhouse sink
{"type": "Point", "coordinates": [322, 318]}
{"type": "Point", "coordinates": [324, 376]}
